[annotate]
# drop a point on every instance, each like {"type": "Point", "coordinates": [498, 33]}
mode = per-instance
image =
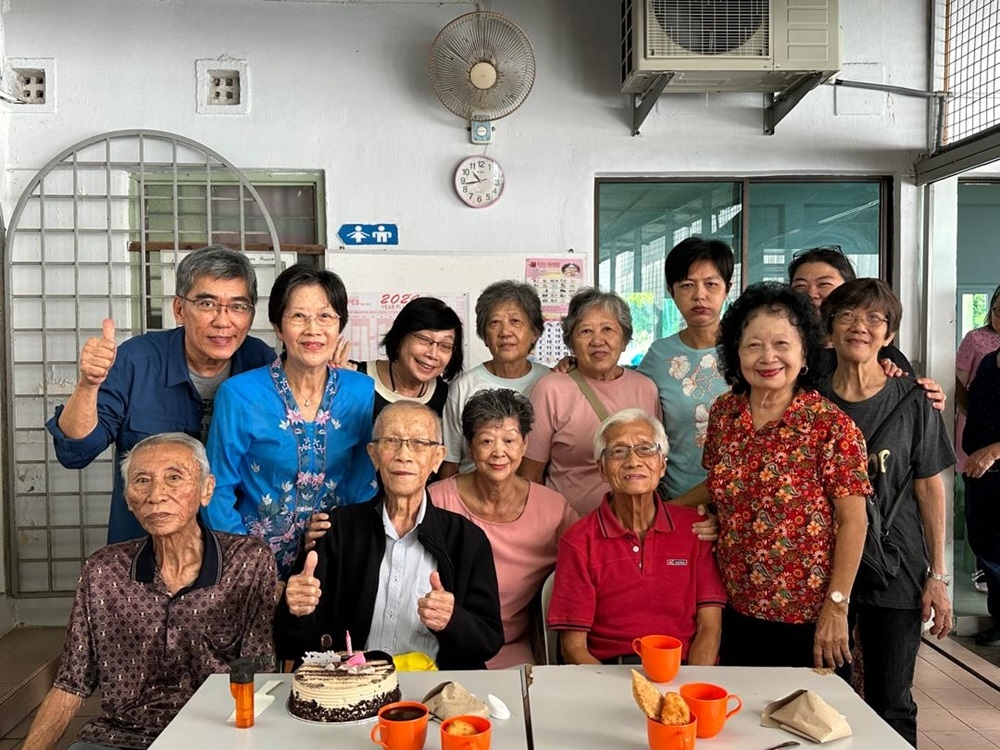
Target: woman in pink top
{"type": "Point", "coordinates": [975, 345]}
{"type": "Point", "coordinates": [522, 520]}
{"type": "Point", "coordinates": [569, 408]}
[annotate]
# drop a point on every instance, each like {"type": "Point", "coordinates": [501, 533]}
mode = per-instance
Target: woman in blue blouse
{"type": "Point", "coordinates": [289, 440]}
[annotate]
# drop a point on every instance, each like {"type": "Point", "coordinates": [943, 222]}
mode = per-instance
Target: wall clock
{"type": "Point", "coordinates": [479, 181]}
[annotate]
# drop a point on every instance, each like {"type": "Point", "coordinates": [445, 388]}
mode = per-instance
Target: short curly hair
{"type": "Point", "coordinates": [773, 297]}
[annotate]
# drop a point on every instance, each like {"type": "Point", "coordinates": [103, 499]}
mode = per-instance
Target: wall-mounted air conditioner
{"type": "Point", "coordinates": [727, 45]}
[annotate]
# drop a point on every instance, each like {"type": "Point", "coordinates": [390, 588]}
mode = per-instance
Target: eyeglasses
{"type": "Point", "coordinates": [620, 452]}
{"type": "Point", "coordinates": [810, 250]}
{"type": "Point", "coordinates": [445, 346]}
{"type": "Point", "coordinates": [208, 306]}
{"type": "Point", "coordinates": [325, 319]}
{"type": "Point", "coordinates": [394, 444]}
{"type": "Point", "coordinates": [871, 319]}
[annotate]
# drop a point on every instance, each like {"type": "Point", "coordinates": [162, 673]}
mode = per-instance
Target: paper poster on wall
{"type": "Point", "coordinates": [555, 280]}
{"type": "Point", "coordinates": [371, 315]}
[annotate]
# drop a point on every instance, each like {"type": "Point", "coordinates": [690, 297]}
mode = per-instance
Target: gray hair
{"type": "Point", "coordinates": [216, 262]}
{"type": "Point", "coordinates": [501, 292]}
{"type": "Point", "coordinates": [495, 405]}
{"type": "Point", "coordinates": [624, 417]}
{"type": "Point", "coordinates": [586, 300]}
{"type": "Point", "coordinates": [169, 438]}
{"type": "Point", "coordinates": [406, 406]}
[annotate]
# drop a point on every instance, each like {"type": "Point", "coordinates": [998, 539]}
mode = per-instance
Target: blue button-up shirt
{"type": "Point", "coordinates": [148, 391]}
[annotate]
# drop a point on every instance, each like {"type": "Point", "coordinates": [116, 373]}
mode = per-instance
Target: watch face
{"type": "Point", "coordinates": [479, 181]}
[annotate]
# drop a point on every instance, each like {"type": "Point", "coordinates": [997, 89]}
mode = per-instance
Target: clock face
{"type": "Point", "coordinates": [479, 181]}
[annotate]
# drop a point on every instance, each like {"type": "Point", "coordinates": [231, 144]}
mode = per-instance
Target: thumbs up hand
{"type": "Point", "coordinates": [97, 355]}
{"type": "Point", "coordinates": [303, 590]}
{"type": "Point", "coordinates": [436, 607]}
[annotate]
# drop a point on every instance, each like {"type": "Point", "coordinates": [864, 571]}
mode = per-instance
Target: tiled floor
{"type": "Point", "coordinates": [958, 709]}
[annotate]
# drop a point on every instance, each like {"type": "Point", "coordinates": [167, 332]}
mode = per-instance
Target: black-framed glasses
{"type": "Point", "coordinates": [620, 452]}
{"type": "Point", "coordinates": [395, 444]}
{"type": "Point", "coordinates": [211, 306]}
{"type": "Point", "coordinates": [810, 250]}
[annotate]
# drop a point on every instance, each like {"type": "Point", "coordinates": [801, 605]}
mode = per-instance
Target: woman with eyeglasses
{"type": "Point", "coordinates": [424, 346]}
{"type": "Point", "coordinates": [975, 346]}
{"type": "Point", "coordinates": [787, 473]}
{"type": "Point", "coordinates": [906, 456]}
{"type": "Point", "coordinates": [817, 271]}
{"type": "Point", "coordinates": [289, 440]}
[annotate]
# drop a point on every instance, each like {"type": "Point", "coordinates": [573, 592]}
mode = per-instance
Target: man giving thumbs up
{"type": "Point", "coordinates": [162, 381]}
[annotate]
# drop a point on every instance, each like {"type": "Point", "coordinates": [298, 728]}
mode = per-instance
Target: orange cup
{"type": "Point", "coordinates": [670, 736]}
{"type": "Point", "coordinates": [401, 726]}
{"type": "Point", "coordinates": [661, 656]}
{"type": "Point", "coordinates": [710, 703]}
{"type": "Point", "coordinates": [478, 741]}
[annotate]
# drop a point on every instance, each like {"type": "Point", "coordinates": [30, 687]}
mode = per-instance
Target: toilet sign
{"type": "Point", "coordinates": [368, 234]}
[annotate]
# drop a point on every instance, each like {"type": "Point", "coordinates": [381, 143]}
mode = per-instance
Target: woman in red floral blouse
{"type": "Point", "coordinates": [787, 472]}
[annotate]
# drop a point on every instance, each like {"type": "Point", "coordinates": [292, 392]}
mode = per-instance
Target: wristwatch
{"type": "Point", "coordinates": [838, 597]}
{"type": "Point", "coordinates": [943, 577]}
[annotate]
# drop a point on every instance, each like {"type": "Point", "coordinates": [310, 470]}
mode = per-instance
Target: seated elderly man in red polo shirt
{"type": "Point", "coordinates": [632, 567]}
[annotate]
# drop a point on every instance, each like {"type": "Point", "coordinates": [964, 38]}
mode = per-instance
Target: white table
{"type": "Point", "coordinates": [202, 721]}
{"type": "Point", "coordinates": [584, 707]}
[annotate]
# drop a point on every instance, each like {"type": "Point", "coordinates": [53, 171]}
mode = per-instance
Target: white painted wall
{"type": "Point", "coordinates": [344, 88]}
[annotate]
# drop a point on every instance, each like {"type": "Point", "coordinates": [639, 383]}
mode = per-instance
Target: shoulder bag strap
{"type": "Point", "coordinates": [906, 399]}
{"type": "Point", "coordinates": [588, 393]}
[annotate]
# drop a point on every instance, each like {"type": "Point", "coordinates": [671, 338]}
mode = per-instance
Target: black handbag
{"type": "Point", "coordinates": [881, 557]}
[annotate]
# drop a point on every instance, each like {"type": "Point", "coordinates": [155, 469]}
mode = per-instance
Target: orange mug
{"type": "Point", "coordinates": [475, 733]}
{"type": "Point", "coordinates": [661, 656]}
{"type": "Point", "coordinates": [710, 703]}
{"type": "Point", "coordinates": [401, 726]}
{"type": "Point", "coordinates": [671, 736]}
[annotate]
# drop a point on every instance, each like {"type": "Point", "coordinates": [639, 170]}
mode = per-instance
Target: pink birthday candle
{"type": "Point", "coordinates": [347, 638]}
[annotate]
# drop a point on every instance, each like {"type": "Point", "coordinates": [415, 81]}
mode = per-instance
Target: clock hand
{"type": "Point", "coordinates": [478, 179]}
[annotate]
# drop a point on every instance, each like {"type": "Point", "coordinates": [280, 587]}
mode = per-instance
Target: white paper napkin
{"type": "Point", "coordinates": [261, 700]}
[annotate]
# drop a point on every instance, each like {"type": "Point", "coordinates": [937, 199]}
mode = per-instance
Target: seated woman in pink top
{"type": "Point", "coordinates": [569, 407]}
{"type": "Point", "coordinates": [523, 520]}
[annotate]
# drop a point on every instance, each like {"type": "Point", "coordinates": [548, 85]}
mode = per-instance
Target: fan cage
{"type": "Point", "coordinates": [698, 28]}
{"type": "Point", "coordinates": [481, 37]}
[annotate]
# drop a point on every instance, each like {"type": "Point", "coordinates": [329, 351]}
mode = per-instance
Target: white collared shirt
{"type": "Point", "coordinates": [403, 577]}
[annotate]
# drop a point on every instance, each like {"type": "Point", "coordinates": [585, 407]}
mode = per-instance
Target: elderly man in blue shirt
{"type": "Point", "coordinates": [164, 381]}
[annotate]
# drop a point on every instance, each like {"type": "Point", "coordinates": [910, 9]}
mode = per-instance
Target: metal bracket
{"type": "Point", "coordinates": [776, 106]}
{"type": "Point", "coordinates": [643, 103]}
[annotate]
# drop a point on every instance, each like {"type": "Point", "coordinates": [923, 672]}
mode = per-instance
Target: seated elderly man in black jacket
{"type": "Point", "coordinates": [397, 573]}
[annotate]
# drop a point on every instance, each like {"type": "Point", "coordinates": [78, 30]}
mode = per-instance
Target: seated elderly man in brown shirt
{"type": "Point", "coordinates": [153, 617]}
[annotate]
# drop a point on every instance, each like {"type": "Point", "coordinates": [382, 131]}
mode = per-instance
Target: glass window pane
{"type": "Point", "coordinates": [638, 223]}
{"type": "Point", "coordinates": [785, 217]}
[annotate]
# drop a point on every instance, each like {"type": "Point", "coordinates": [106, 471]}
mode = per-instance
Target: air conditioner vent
{"type": "Point", "coordinates": [727, 45]}
{"type": "Point", "coordinates": [709, 27]}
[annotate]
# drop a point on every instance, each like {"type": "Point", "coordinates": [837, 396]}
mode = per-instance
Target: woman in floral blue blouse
{"type": "Point", "coordinates": [289, 440]}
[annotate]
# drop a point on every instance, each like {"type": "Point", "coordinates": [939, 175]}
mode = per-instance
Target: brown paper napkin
{"type": "Point", "coordinates": [452, 699]}
{"type": "Point", "coordinates": [806, 714]}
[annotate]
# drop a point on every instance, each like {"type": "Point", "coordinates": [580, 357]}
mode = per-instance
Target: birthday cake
{"type": "Point", "coordinates": [335, 686]}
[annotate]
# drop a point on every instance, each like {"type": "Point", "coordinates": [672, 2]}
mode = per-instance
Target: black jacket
{"type": "Point", "coordinates": [348, 568]}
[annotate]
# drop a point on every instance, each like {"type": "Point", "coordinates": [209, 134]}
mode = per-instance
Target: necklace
{"type": "Point", "coordinates": [392, 384]}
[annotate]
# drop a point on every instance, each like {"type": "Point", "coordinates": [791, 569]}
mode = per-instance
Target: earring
{"type": "Point", "coordinates": [804, 370]}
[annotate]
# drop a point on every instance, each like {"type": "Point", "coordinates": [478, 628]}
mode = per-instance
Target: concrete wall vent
{"type": "Point", "coordinates": [30, 85]}
{"type": "Point", "coordinates": [223, 87]}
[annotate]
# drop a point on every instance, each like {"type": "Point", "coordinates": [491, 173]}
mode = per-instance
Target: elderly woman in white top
{"type": "Point", "coordinates": [509, 320]}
